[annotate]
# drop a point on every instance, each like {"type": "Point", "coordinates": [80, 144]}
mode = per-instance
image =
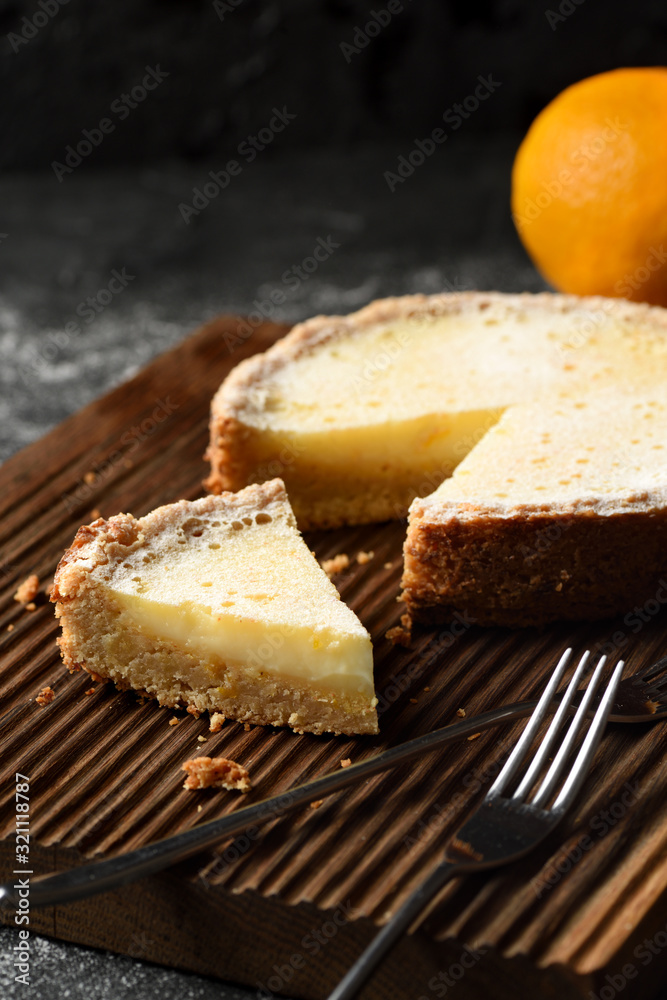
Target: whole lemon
{"type": "Point", "coordinates": [589, 187]}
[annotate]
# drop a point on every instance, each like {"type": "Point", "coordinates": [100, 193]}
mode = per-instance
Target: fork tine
{"type": "Point", "coordinates": [515, 758]}
{"type": "Point", "coordinates": [654, 670]}
{"type": "Point", "coordinates": [573, 731]}
{"type": "Point", "coordinates": [657, 682]}
{"type": "Point", "coordinates": [580, 768]}
{"type": "Point", "coordinates": [552, 732]}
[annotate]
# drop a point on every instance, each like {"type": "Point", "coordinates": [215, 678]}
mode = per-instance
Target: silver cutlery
{"type": "Point", "coordinates": [639, 698]}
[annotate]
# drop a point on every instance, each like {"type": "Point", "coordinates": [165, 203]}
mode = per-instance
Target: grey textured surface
{"type": "Point", "coordinates": [60, 971]}
{"type": "Point", "coordinates": [446, 227]}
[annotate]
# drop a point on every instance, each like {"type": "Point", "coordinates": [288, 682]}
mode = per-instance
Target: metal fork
{"type": "Point", "coordinates": [505, 826]}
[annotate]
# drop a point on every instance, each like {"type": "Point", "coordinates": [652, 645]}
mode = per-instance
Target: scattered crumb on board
{"type": "Point", "coordinates": [89, 691]}
{"type": "Point", "coordinates": [388, 565]}
{"type": "Point", "coordinates": [364, 557]}
{"type": "Point", "coordinates": [215, 772]}
{"type": "Point", "coordinates": [201, 739]}
{"type": "Point", "coordinates": [174, 721]}
{"type": "Point", "coordinates": [217, 722]}
{"type": "Point", "coordinates": [191, 710]}
{"type": "Point", "coordinates": [89, 478]}
{"type": "Point", "coordinates": [474, 736]}
{"type": "Point", "coordinates": [461, 712]}
{"type": "Point", "coordinates": [399, 636]}
{"type": "Point", "coordinates": [316, 804]}
{"type": "Point", "coordinates": [336, 565]}
{"type": "Point", "coordinates": [346, 762]}
{"type": "Point", "coordinates": [27, 590]}
{"type": "Point", "coordinates": [45, 696]}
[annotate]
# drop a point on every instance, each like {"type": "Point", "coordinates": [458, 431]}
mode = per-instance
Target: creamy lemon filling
{"type": "Point", "coordinates": [327, 659]}
{"type": "Point", "coordinates": [247, 592]}
{"type": "Point", "coordinates": [413, 368]}
{"type": "Point", "coordinates": [428, 368]}
{"type": "Point", "coordinates": [610, 447]}
{"type": "Point", "coordinates": [422, 450]}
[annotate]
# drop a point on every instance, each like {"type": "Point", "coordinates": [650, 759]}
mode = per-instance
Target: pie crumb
{"type": "Point", "coordinates": [215, 772]}
{"type": "Point", "coordinates": [89, 691]}
{"type": "Point", "coordinates": [217, 722]}
{"type": "Point", "coordinates": [399, 636]}
{"type": "Point", "coordinates": [191, 710]}
{"type": "Point", "coordinates": [427, 688]}
{"type": "Point", "coordinates": [461, 712]}
{"type": "Point", "coordinates": [10, 628]}
{"type": "Point", "coordinates": [95, 513]}
{"type": "Point", "coordinates": [364, 557]}
{"type": "Point", "coordinates": [336, 565]}
{"type": "Point", "coordinates": [316, 804]}
{"type": "Point", "coordinates": [474, 736]}
{"type": "Point", "coordinates": [201, 739]}
{"type": "Point", "coordinates": [246, 726]}
{"type": "Point", "coordinates": [31, 606]}
{"type": "Point", "coordinates": [346, 762]}
{"type": "Point", "coordinates": [27, 590]}
{"type": "Point", "coordinates": [413, 701]}
{"type": "Point", "coordinates": [89, 478]}
{"type": "Point", "coordinates": [174, 721]}
{"type": "Point", "coordinates": [388, 565]}
{"type": "Point", "coordinates": [45, 696]}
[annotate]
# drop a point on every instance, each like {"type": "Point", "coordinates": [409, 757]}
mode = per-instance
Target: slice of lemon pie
{"type": "Point", "coordinates": [217, 605]}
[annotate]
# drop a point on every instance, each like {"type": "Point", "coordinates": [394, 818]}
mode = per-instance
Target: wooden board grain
{"type": "Point", "coordinates": [288, 907]}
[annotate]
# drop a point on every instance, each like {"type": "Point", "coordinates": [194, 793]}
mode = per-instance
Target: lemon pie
{"type": "Point", "coordinates": [217, 605]}
{"type": "Point", "coordinates": [528, 433]}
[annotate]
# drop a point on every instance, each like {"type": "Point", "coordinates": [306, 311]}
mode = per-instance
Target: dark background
{"type": "Point", "coordinates": [446, 227]}
{"type": "Point", "coordinates": [228, 67]}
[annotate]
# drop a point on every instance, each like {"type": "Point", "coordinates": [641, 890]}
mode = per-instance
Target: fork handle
{"type": "Point", "coordinates": [369, 960]}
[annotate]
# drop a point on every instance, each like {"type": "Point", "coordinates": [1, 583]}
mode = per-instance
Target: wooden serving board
{"type": "Point", "coordinates": [289, 907]}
